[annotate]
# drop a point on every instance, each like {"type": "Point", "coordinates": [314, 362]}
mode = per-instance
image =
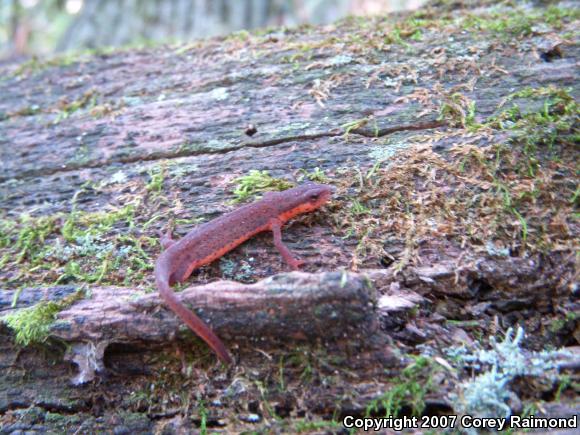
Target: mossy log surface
{"type": "Point", "coordinates": [449, 136]}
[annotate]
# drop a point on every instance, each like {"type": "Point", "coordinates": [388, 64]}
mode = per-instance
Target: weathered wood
{"type": "Point", "coordinates": [295, 306]}
{"type": "Point", "coordinates": [86, 134]}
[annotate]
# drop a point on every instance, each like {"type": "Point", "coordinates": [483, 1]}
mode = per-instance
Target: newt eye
{"type": "Point", "coordinates": [313, 197]}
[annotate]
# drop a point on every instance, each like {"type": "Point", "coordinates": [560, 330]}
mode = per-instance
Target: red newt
{"type": "Point", "coordinates": [211, 240]}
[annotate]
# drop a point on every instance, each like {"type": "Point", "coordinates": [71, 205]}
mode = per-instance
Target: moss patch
{"type": "Point", "coordinates": [408, 390]}
{"type": "Point", "coordinates": [32, 325]}
{"type": "Point", "coordinates": [94, 247]}
{"type": "Point", "coordinates": [519, 196]}
{"type": "Point", "coordinates": [256, 182]}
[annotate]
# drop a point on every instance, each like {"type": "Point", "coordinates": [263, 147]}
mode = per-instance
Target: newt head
{"type": "Point", "coordinates": [302, 199]}
{"type": "Point", "coordinates": [315, 195]}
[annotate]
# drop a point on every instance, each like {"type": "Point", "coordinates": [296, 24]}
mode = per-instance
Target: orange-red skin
{"type": "Point", "coordinates": [212, 240]}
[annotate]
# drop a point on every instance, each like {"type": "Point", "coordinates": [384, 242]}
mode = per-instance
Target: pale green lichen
{"type": "Point", "coordinates": [488, 393]}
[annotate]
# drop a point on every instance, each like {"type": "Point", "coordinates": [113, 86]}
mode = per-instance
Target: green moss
{"type": "Point", "coordinates": [316, 175]}
{"type": "Point", "coordinates": [357, 208]}
{"type": "Point", "coordinates": [81, 224]}
{"type": "Point", "coordinates": [556, 97]}
{"type": "Point", "coordinates": [519, 22]}
{"type": "Point", "coordinates": [257, 182]}
{"type": "Point", "coordinates": [509, 193]}
{"type": "Point", "coordinates": [25, 111]}
{"type": "Point", "coordinates": [36, 65]}
{"type": "Point", "coordinates": [32, 324]}
{"type": "Point", "coordinates": [458, 110]}
{"type": "Point", "coordinates": [157, 179]}
{"type": "Point", "coordinates": [357, 124]}
{"type": "Point", "coordinates": [239, 36]}
{"type": "Point", "coordinates": [31, 234]}
{"type": "Point", "coordinates": [539, 130]}
{"type": "Point", "coordinates": [379, 33]}
{"type": "Point", "coordinates": [557, 325]}
{"type": "Point", "coordinates": [556, 15]}
{"type": "Point", "coordinates": [182, 49]}
{"type": "Point", "coordinates": [564, 381]}
{"type": "Point", "coordinates": [80, 246]}
{"type": "Point", "coordinates": [318, 426]}
{"type": "Point", "coordinates": [86, 101]}
{"type": "Point", "coordinates": [203, 413]}
{"type": "Point", "coordinates": [408, 389]}
{"type": "Point", "coordinates": [511, 24]}
{"type": "Point", "coordinates": [407, 30]}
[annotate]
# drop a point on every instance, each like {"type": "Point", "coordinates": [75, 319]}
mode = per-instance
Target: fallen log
{"type": "Point", "coordinates": [294, 306]}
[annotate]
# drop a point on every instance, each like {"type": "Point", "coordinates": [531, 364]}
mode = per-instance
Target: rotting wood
{"type": "Point", "coordinates": [293, 306]}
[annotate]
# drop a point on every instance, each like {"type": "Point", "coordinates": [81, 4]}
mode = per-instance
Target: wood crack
{"type": "Point", "coordinates": [365, 132]}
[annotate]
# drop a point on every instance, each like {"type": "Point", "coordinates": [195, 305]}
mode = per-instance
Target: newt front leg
{"type": "Point", "coordinates": [276, 226]}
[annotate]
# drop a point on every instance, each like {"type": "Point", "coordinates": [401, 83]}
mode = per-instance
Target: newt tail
{"type": "Point", "coordinates": [211, 240]}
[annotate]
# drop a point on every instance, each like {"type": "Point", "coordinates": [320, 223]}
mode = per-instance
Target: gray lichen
{"type": "Point", "coordinates": [487, 394]}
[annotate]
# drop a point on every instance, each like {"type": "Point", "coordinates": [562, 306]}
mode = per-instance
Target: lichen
{"type": "Point", "coordinates": [487, 394]}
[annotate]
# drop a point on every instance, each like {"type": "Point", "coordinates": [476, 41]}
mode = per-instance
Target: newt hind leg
{"type": "Point", "coordinates": [181, 274]}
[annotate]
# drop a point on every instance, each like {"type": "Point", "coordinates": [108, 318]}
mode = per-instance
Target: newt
{"type": "Point", "coordinates": [210, 241]}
